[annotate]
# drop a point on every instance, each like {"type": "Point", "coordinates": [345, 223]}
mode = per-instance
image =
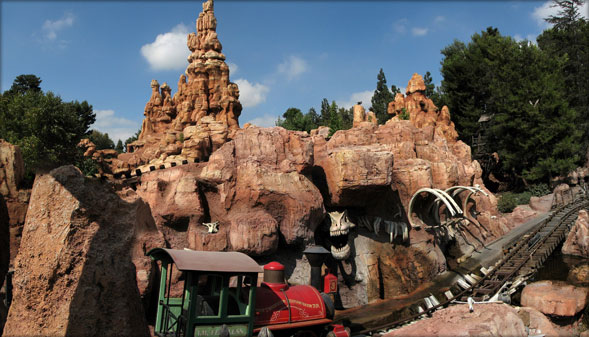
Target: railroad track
{"type": "Point", "coordinates": [522, 258]}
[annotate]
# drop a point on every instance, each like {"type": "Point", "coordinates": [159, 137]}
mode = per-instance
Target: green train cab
{"type": "Point", "coordinates": [217, 296]}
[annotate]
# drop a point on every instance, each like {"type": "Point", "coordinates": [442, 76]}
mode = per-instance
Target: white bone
{"type": "Point", "coordinates": [213, 227]}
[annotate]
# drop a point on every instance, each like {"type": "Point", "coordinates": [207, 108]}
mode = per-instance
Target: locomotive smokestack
{"type": "Point", "coordinates": [274, 273]}
{"type": "Point", "coordinates": [316, 256]}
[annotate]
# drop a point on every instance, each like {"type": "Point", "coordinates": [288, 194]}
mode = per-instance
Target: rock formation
{"type": "Point", "coordinates": [421, 110]}
{"type": "Point", "coordinates": [457, 320]}
{"type": "Point", "coordinates": [81, 260]}
{"type": "Point", "coordinates": [577, 242]}
{"type": "Point", "coordinates": [555, 297]}
{"type": "Point", "coordinates": [16, 199]}
{"type": "Point", "coordinates": [360, 116]}
{"type": "Point", "coordinates": [200, 117]}
{"type": "Point", "coordinates": [258, 188]}
{"type": "Point", "coordinates": [176, 202]}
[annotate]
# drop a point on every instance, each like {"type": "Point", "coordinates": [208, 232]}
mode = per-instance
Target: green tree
{"type": "Point", "coordinates": [101, 140]}
{"type": "Point", "coordinates": [429, 85]}
{"type": "Point", "coordinates": [432, 92]}
{"type": "Point", "coordinates": [325, 113]}
{"type": "Point", "coordinates": [119, 147]}
{"type": "Point", "coordinates": [381, 98]}
{"type": "Point", "coordinates": [45, 128]}
{"type": "Point", "coordinates": [293, 120]}
{"type": "Point", "coordinates": [533, 128]}
{"type": "Point", "coordinates": [23, 84]}
{"type": "Point", "coordinates": [569, 37]}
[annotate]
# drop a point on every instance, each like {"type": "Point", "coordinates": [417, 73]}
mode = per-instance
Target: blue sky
{"type": "Point", "coordinates": [281, 53]}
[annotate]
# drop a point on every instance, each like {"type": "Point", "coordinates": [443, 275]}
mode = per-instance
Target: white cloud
{"type": "Point", "coordinates": [362, 96]}
{"type": "Point", "coordinates": [293, 67]}
{"type": "Point", "coordinates": [116, 127]}
{"type": "Point", "coordinates": [546, 10]}
{"type": "Point", "coordinates": [168, 51]}
{"type": "Point", "coordinates": [264, 121]}
{"type": "Point", "coordinates": [439, 19]}
{"type": "Point", "coordinates": [251, 94]}
{"type": "Point", "coordinates": [51, 28]}
{"type": "Point", "coordinates": [232, 68]}
{"type": "Point", "coordinates": [419, 31]}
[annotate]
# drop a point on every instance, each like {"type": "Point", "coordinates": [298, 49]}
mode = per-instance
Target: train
{"type": "Point", "coordinates": [218, 294]}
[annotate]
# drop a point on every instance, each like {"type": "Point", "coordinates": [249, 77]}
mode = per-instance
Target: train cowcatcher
{"type": "Point", "coordinates": [220, 296]}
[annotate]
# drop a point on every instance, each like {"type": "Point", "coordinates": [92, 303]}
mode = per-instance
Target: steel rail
{"type": "Point", "coordinates": [520, 248]}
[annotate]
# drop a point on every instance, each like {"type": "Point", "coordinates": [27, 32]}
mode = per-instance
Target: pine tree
{"type": "Point", "coordinates": [381, 98]}
{"type": "Point", "coordinates": [119, 147]}
{"type": "Point", "coordinates": [570, 37]}
{"type": "Point", "coordinates": [533, 128]}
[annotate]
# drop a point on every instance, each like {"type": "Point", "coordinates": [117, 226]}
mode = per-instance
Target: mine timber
{"type": "Point", "coordinates": [522, 258]}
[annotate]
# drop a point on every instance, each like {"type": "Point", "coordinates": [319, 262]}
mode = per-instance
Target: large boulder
{"type": "Point", "coordinates": [175, 201]}
{"type": "Point", "coordinates": [577, 242]}
{"type": "Point", "coordinates": [81, 259]}
{"type": "Point", "coordinates": [457, 320]}
{"type": "Point", "coordinates": [555, 297]}
{"type": "Point", "coordinates": [538, 323]}
{"type": "Point", "coordinates": [260, 183]}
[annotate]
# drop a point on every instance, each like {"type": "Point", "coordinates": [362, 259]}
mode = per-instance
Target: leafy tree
{"type": "Point", "coordinates": [381, 98]}
{"type": "Point", "coordinates": [332, 116]}
{"type": "Point", "coordinates": [429, 85]}
{"type": "Point", "coordinates": [569, 37]}
{"type": "Point", "coordinates": [23, 84]}
{"type": "Point", "coordinates": [568, 14]}
{"type": "Point", "coordinates": [119, 147]}
{"type": "Point", "coordinates": [45, 128]}
{"type": "Point", "coordinates": [432, 92]}
{"type": "Point", "coordinates": [533, 127]}
{"type": "Point", "coordinates": [101, 140]}
{"type": "Point", "coordinates": [293, 120]}
{"type": "Point", "coordinates": [325, 113]}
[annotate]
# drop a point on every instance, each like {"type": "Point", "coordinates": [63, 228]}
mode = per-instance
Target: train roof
{"type": "Point", "coordinates": [187, 260]}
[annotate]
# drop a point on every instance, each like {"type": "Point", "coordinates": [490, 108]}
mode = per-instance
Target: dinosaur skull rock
{"type": "Point", "coordinates": [338, 233]}
{"type": "Point", "coordinates": [200, 117]}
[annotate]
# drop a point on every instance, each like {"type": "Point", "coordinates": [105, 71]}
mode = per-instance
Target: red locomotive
{"type": "Point", "coordinates": [220, 298]}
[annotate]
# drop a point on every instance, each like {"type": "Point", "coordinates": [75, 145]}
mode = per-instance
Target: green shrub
{"type": "Point", "coordinates": [509, 200]}
{"type": "Point", "coordinates": [404, 115]}
{"type": "Point", "coordinates": [539, 190]}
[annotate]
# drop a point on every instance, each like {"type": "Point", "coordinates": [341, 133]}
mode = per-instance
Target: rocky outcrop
{"type": "Point", "coordinates": [200, 117]}
{"type": "Point", "coordinates": [175, 201]}
{"type": "Point", "coordinates": [457, 320]}
{"type": "Point", "coordinates": [383, 270]}
{"type": "Point", "coordinates": [555, 297]}
{"type": "Point", "coordinates": [16, 199]}
{"type": "Point", "coordinates": [537, 323]}
{"type": "Point", "coordinates": [421, 111]}
{"type": "Point", "coordinates": [579, 275]}
{"type": "Point", "coordinates": [577, 242]}
{"type": "Point", "coordinates": [257, 187]}
{"type": "Point", "coordinates": [81, 266]}
{"type": "Point", "coordinates": [12, 169]}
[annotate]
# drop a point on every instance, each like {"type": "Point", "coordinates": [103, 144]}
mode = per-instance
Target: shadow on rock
{"type": "Point", "coordinates": [81, 269]}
